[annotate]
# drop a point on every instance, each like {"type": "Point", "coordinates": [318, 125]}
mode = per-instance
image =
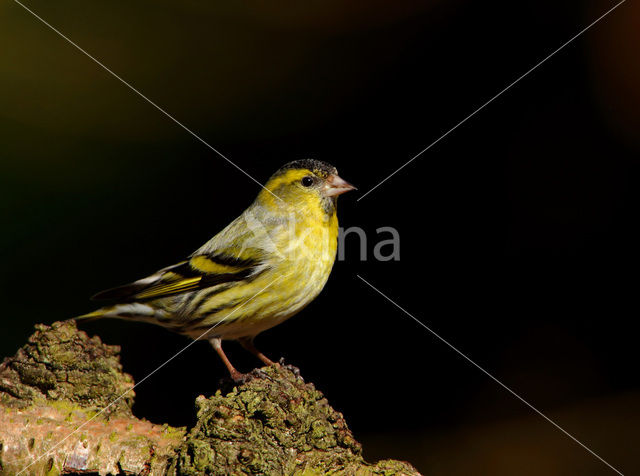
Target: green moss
{"type": "Point", "coordinates": [60, 363]}
{"type": "Point", "coordinates": [173, 433]}
{"type": "Point", "coordinates": [64, 406]}
{"type": "Point", "coordinates": [308, 472]}
{"type": "Point", "coordinates": [272, 425]}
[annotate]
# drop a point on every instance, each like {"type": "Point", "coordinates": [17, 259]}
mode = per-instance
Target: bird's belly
{"type": "Point", "coordinates": [296, 278]}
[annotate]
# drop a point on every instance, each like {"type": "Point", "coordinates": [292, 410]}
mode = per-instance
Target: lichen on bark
{"type": "Point", "coordinates": [273, 424]}
{"type": "Point", "coordinates": [65, 408]}
{"type": "Point", "coordinates": [60, 363]}
{"type": "Point", "coordinates": [57, 415]}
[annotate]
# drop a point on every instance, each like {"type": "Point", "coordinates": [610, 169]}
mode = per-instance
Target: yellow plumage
{"type": "Point", "coordinates": [263, 268]}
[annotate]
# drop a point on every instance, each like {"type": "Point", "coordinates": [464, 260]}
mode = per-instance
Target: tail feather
{"type": "Point", "coordinates": [135, 311]}
{"type": "Point", "coordinates": [97, 314]}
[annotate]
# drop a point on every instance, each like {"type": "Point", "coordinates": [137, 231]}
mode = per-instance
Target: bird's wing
{"type": "Point", "coordinates": [198, 272]}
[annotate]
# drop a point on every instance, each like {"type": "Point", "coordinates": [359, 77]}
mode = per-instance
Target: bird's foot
{"type": "Point", "coordinates": [238, 377]}
{"type": "Point", "coordinates": [259, 373]}
{"type": "Point", "coordinates": [292, 368]}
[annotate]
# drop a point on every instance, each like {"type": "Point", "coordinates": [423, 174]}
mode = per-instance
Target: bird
{"type": "Point", "coordinates": [263, 268]}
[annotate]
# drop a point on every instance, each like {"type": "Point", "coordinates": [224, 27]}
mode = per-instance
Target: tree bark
{"type": "Point", "coordinates": [65, 408]}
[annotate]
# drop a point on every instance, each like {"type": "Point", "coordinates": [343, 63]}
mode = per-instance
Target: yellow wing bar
{"type": "Point", "coordinates": [175, 287]}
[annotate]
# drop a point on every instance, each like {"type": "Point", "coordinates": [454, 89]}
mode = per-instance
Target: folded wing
{"type": "Point", "coordinates": [199, 272]}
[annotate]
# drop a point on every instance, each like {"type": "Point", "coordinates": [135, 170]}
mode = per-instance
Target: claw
{"type": "Point", "coordinates": [262, 374]}
{"type": "Point", "coordinates": [238, 377]}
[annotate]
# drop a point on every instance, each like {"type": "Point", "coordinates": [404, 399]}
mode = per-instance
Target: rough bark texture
{"type": "Point", "coordinates": [65, 408]}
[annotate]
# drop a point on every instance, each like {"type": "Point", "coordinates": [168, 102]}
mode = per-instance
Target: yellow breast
{"type": "Point", "coordinates": [308, 254]}
{"type": "Point", "coordinates": [303, 254]}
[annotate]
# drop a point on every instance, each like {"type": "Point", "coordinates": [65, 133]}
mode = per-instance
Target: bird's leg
{"type": "Point", "coordinates": [247, 343]}
{"type": "Point", "coordinates": [216, 342]}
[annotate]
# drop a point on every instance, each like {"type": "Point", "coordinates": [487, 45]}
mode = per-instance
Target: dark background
{"type": "Point", "coordinates": [519, 231]}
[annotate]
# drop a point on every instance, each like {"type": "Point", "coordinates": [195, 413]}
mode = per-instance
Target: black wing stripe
{"type": "Point", "coordinates": [228, 260]}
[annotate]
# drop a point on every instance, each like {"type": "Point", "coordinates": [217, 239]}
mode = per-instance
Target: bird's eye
{"type": "Point", "coordinates": [307, 181]}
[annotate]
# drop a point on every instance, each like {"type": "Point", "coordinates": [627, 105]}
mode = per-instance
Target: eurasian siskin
{"type": "Point", "coordinates": [263, 268]}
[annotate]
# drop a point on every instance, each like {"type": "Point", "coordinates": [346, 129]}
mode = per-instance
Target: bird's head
{"type": "Point", "coordinates": [307, 184]}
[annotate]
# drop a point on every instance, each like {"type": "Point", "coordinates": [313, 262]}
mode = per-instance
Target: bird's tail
{"type": "Point", "coordinates": [97, 314]}
{"type": "Point", "coordinates": [132, 311]}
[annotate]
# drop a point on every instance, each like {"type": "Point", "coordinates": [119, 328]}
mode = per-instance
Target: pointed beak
{"type": "Point", "coordinates": [334, 186]}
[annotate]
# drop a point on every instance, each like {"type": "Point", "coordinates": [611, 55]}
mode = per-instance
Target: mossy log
{"type": "Point", "coordinates": [65, 408]}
